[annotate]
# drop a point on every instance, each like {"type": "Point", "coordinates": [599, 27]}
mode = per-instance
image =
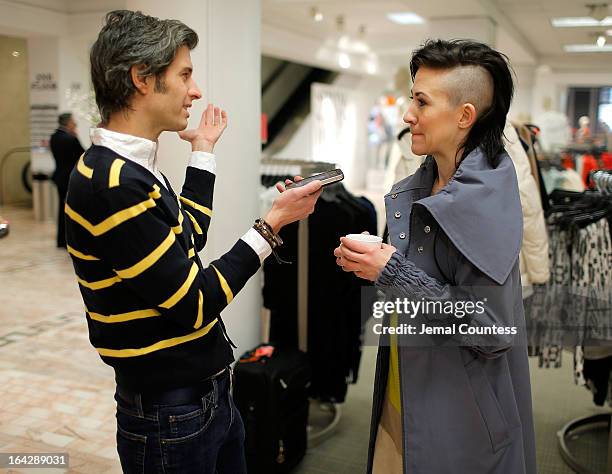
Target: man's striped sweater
{"type": "Point", "coordinates": [152, 308]}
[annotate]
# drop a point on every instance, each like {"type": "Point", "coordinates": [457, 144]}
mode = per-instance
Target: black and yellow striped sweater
{"type": "Point", "coordinates": [152, 309]}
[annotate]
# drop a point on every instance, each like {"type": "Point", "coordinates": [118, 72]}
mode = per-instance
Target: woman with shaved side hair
{"type": "Point", "coordinates": [452, 391]}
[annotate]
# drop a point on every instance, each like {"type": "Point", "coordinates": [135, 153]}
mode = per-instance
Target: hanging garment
{"type": "Point", "coordinates": [597, 374]}
{"type": "Point", "coordinates": [589, 163]}
{"type": "Point", "coordinates": [546, 312]}
{"type": "Point", "coordinates": [591, 278]}
{"type": "Point", "coordinates": [567, 180]}
{"type": "Point", "coordinates": [334, 296]}
{"type": "Point", "coordinates": [527, 136]}
{"type": "Point", "coordinates": [577, 304]}
{"type": "Point", "coordinates": [534, 248]}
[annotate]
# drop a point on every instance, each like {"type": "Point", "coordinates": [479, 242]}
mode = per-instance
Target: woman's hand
{"type": "Point", "coordinates": [366, 261]}
{"type": "Point", "coordinates": [212, 125]}
{"type": "Point", "coordinates": [293, 204]}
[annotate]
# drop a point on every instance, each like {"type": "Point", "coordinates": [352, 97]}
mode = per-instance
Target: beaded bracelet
{"type": "Point", "coordinates": [265, 230]}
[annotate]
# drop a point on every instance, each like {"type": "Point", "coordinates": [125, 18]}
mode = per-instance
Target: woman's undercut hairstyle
{"type": "Point", "coordinates": [479, 75]}
{"type": "Point", "coordinates": [133, 39]}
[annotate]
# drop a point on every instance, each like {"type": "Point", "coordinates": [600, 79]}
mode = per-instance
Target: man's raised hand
{"type": "Point", "coordinates": [212, 125]}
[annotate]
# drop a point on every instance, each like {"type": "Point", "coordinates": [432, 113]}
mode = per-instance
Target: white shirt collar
{"type": "Point", "coordinates": [137, 149]}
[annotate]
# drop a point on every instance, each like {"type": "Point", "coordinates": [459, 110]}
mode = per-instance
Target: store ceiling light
{"type": "Point", "coordinates": [406, 18]}
{"type": "Point", "coordinates": [316, 14]}
{"type": "Point", "coordinates": [580, 21]}
{"type": "Point", "coordinates": [601, 41]}
{"type": "Point", "coordinates": [598, 10]}
{"type": "Point", "coordinates": [344, 61]}
{"type": "Point", "coordinates": [587, 48]}
{"type": "Point", "coordinates": [16, 54]}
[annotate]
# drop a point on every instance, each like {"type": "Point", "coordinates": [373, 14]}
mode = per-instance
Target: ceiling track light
{"type": "Point", "coordinates": [316, 14]}
{"type": "Point", "coordinates": [601, 41]}
{"type": "Point", "coordinates": [340, 23]}
{"type": "Point", "coordinates": [344, 61]}
{"type": "Point", "coordinates": [598, 11]}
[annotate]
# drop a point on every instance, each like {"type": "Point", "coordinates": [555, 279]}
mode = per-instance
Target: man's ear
{"type": "Point", "coordinates": [468, 116]}
{"type": "Point", "coordinates": [141, 83]}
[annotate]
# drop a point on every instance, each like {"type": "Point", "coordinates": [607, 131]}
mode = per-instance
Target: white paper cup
{"type": "Point", "coordinates": [367, 239]}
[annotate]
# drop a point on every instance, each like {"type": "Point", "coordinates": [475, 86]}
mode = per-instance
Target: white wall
{"type": "Point", "coordinates": [521, 108]}
{"type": "Point", "coordinates": [74, 76]}
{"type": "Point", "coordinates": [541, 88]}
{"type": "Point", "coordinates": [24, 20]}
{"type": "Point", "coordinates": [551, 87]}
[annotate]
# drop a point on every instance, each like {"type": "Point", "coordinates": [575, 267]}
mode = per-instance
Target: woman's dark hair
{"type": "Point", "coordinates": [487, 132]}
{"type": "Point", "coordinates": [133, 39]}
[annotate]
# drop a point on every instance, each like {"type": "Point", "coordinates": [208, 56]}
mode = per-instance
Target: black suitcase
{"type": "Point", "coordinates": [271, 395]}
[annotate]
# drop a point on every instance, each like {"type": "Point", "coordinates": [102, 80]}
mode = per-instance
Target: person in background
{"type": "Point", "coordinates": [66, 149]}
{"type": "Point", "coordinates": [583, 134]}
{"type": "Point", "coordinates": [153, 309]}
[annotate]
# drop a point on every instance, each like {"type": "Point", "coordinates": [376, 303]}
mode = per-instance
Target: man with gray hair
{"type": "Point", "coordinates": [66, 149]}
{"type": "Point", "coordinates": [153, 310]}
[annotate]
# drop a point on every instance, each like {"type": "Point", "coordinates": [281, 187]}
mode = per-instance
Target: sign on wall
{"type": "Point", "coordinates": [43, 108]}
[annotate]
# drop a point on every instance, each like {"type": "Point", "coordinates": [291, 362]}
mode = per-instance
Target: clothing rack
{"type": "Point", "coordinates": [603, 183]}
{"type": "Point", "coordinates": [582, 425]}
{"type": "Point", "coordinates": [291, 167]}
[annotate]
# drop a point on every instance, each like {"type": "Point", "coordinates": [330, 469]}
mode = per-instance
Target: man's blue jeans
{"type": "Point", "coordinates": [203, 437]}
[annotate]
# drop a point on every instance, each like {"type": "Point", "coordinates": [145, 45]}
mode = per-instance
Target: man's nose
{"type": "Point", "coordinates": [194, 91]}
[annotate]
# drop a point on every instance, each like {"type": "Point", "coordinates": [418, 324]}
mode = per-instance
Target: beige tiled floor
{"type": "Point", "coordinates": [57, 396]}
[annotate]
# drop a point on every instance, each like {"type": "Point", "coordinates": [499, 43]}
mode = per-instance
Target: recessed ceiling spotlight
{"type": "Point", "coordinates": [406, 18]}
{"type": "Point", "coordinates": [344, 61]}
{"type": "Point", "coordinates": [601, 41]}
{"type": "Point", "coordinates": [316, 14]}
{"type": "Point", "coordinates": [340, 23]}
{"type": "Point", "coordinates": [16, 54]}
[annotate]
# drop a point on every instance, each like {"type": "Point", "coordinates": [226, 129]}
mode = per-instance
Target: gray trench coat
{"type": "Point", "coordinates": [466, 408]}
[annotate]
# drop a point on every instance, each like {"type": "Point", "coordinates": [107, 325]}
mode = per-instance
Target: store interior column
{"type": "Point", "coordinates": [227, 70]}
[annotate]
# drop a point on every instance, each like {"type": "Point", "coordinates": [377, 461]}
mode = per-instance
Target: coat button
{"type": "Point", "coordinates": [398, 214]}
{"type": "Point", "coordinates": [427, 229]}
{"type": "Point", "coordinates": [420, 249]}
{"type": "Point", "coordinates": [402, 236]}
{"type": "Point", "coordinates": [394, 196]}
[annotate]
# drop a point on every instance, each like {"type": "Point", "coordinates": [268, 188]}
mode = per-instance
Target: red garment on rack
{"type": "Point", "coordinates": [567, 161]}
{"type": "Point", "coordinates": [589, 163]}
{"type": "Point", "coordinates": [606, 160]}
